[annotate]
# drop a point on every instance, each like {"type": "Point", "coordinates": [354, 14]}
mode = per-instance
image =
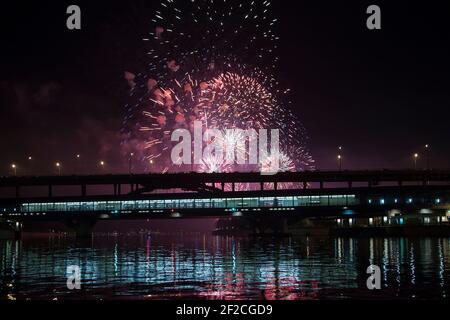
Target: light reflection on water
{"type": "Point", "coordinates": [208, 267]}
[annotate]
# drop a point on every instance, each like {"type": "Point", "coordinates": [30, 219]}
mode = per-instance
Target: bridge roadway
{"type": "Point", "coordinates": [143, 183]}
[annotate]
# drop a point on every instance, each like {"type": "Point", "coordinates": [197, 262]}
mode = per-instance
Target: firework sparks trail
{"type": "Point", "coordinates": [211, 61]}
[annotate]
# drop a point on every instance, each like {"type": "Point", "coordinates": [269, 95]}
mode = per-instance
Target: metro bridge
{"type": "Point", "coordinates": [343, 196]}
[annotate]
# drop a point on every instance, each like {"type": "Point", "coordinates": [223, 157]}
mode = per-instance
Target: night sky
{"type": "Point", "coordinates": [381, 94]}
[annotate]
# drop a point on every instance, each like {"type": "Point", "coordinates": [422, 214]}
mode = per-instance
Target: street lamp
{"type": "Point", "coordinates": [427, 152]}
{"type": "Point", "coordinates": [58, 165]}
{"type": "Point", "coordinates": [102, 165]}
{"type": "Point", "coordinates": [30, 160]}
{"type": "Point", "coordinates": [340, 162]}
{"type": "Point", "coordinates": [415, 157]}
{"type": "Point", "coordinates": [129, 162]}
{"type": "Point", "coordinates": [14, 167]}
{"type": "Point", "coordinates": [77, 160]}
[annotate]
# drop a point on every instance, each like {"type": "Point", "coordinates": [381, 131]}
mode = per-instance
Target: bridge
{"type": "Point", "coordinates": [345, 197]}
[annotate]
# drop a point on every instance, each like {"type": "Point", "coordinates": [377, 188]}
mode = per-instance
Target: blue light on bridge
{"type": "Point", "coordinates": [348, 212]}
{"type": "Point", "coordinates": [382, 201]}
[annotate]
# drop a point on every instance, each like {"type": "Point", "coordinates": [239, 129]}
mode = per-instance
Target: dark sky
{"type": "Point", "coordinates": [381, 94]}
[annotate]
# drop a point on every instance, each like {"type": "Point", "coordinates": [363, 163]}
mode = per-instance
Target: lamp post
{"type": "Point", "coordinates": [77, 163]}
{"type": "Point", "coordinates": [130, 167]}
{"type": "Point", "coordinates": [14, 167]}
{"type": "Point", "coordinates": [427, 153]}
{"type": "Point", "coordinates": [340, 157]}
{"type": "Point", "coordinates": [30, 161]}
{"type": "Point", "coordinates": [340, 162]}
{"type": "Point", "coordinates": [415, 157]}
{"type": "Point", "coordinates": [102, 166]}
{"type": "Point", "coordinates": [58, 165]}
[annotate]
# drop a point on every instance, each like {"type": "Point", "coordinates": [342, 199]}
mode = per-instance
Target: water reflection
{"type": "Point", "coordinates": [208, 267]}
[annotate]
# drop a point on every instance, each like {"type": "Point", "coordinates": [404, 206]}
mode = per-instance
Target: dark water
{"type": "Point", "coordinates": [207, 267]}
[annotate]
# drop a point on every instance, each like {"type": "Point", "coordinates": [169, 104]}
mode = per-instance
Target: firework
{"type": "Point", "coordinates": [211, 61]}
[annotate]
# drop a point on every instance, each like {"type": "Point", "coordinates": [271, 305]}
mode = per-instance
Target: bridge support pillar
{"type": "Point", "coordinates": [268, 226]}
{"type": "Point", "coordinates": [17, 192]}
{"type": "Point", "coordinates": [83, 228]}
{"type": "Point", "coordinates": [18, 227]}
{"type": "Point", "coordinates": [50, 191]}
{"type": "Point", "coordinates": [262, 186]}
{"type": "Point", "coordinates": [83, 190]}
{"type": "Point", "coordinates": [305, 185]}
{"type": "Point", "coordinates": [350, 184]}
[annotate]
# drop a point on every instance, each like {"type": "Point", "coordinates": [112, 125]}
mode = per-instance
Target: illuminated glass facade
{"type": "Point", "coordinates": [212, 203]}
